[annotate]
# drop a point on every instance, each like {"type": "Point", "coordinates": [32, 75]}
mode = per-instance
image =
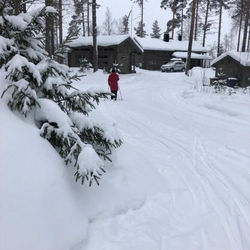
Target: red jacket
{"type": "Point", "coordinates": [113, 81]}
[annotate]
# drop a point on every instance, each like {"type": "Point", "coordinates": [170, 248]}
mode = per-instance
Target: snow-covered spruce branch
{"type": "Point", "coordinates": [87, 164]}
{"type": "Point", "coordinates": [22, 97]}
{"type": "Point", "coordinates": [34, 82]}
{"type": "Point", "coordinates": [73, 34]}
{"type": "Point", "coordinates": [102, 145]}
{"type": "Point", "coordinates": [80, 101]}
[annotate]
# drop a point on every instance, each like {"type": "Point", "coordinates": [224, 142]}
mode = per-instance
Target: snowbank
{"type": "Point", "coordinates": [39, 206]}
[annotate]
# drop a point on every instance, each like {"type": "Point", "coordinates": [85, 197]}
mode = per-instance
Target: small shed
{"type": "Point", "coordinates": [158, 52]}
{"type": "Point", "coordinates": [234, 65]}
{"type": "Point", "coordinates": [115, 49]}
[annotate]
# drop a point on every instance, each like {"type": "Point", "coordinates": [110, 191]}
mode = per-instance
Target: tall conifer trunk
{"type": "Point", "coordinates": [95, 48]}
{"type": "Point", "coordinates": [239, 34]}
{"type": "Point", "coordinates": [244, 41]}
{"type": "Point", "coordinates": [88, 21]}
{"type": "Point", "coordinates": [49, 31]}
{"type": "Point", "coordinates": [60, 22]}
{"type": "Point", "coordinates": [142, 18]}
{"type": "Point", "coordinates": [248, 44]}
{"type": "Point", "coordinates": [188, 64]}
{"type": "Point", "coordinates": [173, 20]}
{"type": "Point", "coordinates": [196, 20]}
{"type": "Point", "coordinates": [205, 24]}
{"type": "Point", "coordinates": [182, 17]}
{"type": "Point", "coordinates": [60, 59]}
{"type": "Point", "coordinates": [83, 20]}
{"type": "Point", "coordinates": [219, 30]}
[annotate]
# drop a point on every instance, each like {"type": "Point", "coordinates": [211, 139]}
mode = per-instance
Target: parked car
{"type": "Point", "coordinates": [174, 65]}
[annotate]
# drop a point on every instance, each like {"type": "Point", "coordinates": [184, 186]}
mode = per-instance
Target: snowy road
{"type": "Point", "coordinates": [181, 180]}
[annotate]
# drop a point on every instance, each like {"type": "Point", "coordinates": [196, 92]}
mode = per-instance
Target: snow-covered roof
{"type": "Point", "coordinates": [103, 41]}
{"type": "Point", "coordinates": [242, 57]}
{"type": "Point", "coordinates": [173, 45]}
{"type": "Point", "coordinates": [193, 55]}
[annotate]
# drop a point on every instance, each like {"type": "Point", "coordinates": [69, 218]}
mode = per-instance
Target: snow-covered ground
{"type": "Point", "coordinates": [181, 179]}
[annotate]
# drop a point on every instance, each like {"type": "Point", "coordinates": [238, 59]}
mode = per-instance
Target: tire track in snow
{"type": "Point", "coordinates": [208, 186]}
{"type": "Point", "coordinates": [208, 189]}
{"type": "Point", "coordinates": [213, 176]}
{"type": "Point", "coordinates": [206, 180]}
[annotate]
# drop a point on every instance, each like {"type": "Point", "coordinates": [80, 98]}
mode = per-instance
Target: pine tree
{"type": "Point", "coordinates": [188, 64]}
{"type": "Point", "coordinates": [177, 7]}
{"type": "Point", "coordinates": [155, 30]}
{"type": "Point", "coordinates": [141, 25]}
{"type": "Point", "coordinates": [40, 88]}
{"type": "Point", "coordinates": [172, 4]}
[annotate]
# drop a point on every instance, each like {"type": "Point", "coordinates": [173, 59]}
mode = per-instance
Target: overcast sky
{"type": "Point", "coordinates": [152, 11]}
{"type": "Point", "coordinates": [119, 8]}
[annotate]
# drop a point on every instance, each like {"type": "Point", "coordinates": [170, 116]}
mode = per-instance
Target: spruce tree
{"type": "Point", "coordinates": [177, 7]}
{"type": "Point", "coordinates": [41, 89]}
{"type": "Point", "coordinates": [140, 31]}
{"type": "Point", "coordinates": [76, 21]}
{"type": "Point", "coordinates": [125, 24]}
{"type": "Point", "coordinates": [155, 30]}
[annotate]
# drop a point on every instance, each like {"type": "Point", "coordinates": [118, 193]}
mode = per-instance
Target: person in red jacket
{"type": "Point", "coordinates": [113, 84]}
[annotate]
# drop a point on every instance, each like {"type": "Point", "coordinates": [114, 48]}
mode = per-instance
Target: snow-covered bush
{"type": "Point", "coordinates": [84, 64]}
{"type": "Point", "coordinates": [219, 84]}
{"type": "Point", "coordinates": [40, 88]}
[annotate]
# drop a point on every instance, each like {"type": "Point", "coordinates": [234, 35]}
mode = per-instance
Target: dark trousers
{"type": "Point", "coordinates": [114, 96]}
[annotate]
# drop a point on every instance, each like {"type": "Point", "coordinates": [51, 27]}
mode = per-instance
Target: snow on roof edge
{"type": "Point", "coordinates": [193, 55]}
{"type": "Point", "coordinates": [104, 41]}
{"type": "Point", "coordinates": [242, 57]}
{"type": "Point", "coordinates": [173, 45]}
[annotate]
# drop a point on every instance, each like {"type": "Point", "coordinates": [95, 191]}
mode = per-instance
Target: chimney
{"type": "Point", "coordinates": [166, 37]}
{"type": "Point", "coordinates": [179, 37]}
